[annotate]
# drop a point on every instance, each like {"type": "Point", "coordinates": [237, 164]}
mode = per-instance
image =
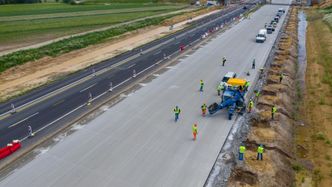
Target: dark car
{"type": "Point", "coordinates": [269, 29]}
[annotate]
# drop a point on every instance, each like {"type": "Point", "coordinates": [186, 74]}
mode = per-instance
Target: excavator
{"type": "Point", "coordinates": [232, 98]}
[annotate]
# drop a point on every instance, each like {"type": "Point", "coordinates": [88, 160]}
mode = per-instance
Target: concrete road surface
{"type": "Point", "coordinates": [137, 142]}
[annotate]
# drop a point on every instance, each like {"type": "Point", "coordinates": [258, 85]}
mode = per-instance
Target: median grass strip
{"type": "Point", "coordinates": [74, 43]}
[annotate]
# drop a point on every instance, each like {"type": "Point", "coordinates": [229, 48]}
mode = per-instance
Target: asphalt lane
{"type": "Point", "coordinates": [46, 112]}
{"type": "Point", "coordinates": [137, 143]}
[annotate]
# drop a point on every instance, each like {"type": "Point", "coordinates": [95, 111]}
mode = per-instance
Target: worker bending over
{"type": "Point", "coordinates": [203, 107]}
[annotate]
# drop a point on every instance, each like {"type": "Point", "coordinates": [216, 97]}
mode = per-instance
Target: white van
{"type": "Point", "coordinates": [261, 36]}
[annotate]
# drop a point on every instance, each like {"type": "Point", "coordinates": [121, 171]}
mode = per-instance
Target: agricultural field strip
{"type": "Point", "coordinates": [36, 9]}
{"type": "Point", "coordinates": [86, 13]}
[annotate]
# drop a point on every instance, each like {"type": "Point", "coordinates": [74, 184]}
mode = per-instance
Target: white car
{"type": "Point", "coordinates": [261, 36]}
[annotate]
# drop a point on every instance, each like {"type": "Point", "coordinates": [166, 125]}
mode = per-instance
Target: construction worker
{"type": "Point", "coordinates": [177, 112]}
{"type": "Point", "coordinates": [260, 151]}
{"type": "Point", "coordinates": [201, 85]}
{"type": "Point", "coordinates": [203, 107]}
{"type": "Point", "coordinates": [257, 94]}
{"type": "Point", "coordinates": [242, 149]}
{"type": "Point", "coordinates": [273, 111]}
{"type": "Point", "coordinates": [223, 61]}
{"type": "Point", "coordinates": [250, 105]}
{"type": "Point", "coordinates": [253, 64]}
{"type": "Point", "coordinates": [31, 134]}
{"type": "Point", "coordinates": [220, 87]}
{"type": "Point", "coordinates": [281, 76]}
{"type": "Point", "coordinates": [195, 131]}
{"type": "Point", "coordinates": [246, 85]}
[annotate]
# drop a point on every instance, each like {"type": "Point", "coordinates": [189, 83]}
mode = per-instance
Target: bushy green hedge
{"type": "Point", "coordinates": [71, 44]}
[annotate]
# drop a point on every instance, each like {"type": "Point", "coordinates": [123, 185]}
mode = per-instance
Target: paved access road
{"type": "Point", "coordinates": [137, 143]}
{"type": "Point", "coordinates": [118, 70]}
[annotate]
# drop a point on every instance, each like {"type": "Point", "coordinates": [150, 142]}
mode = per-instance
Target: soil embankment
{"type": "Point", "coordinates": [275, 134]}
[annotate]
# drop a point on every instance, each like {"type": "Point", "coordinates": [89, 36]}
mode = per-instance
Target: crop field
{"type": "Point", "coordinates": [33, 23]}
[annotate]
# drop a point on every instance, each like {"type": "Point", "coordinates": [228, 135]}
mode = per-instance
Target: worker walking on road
{"type": "Point", "coordinates": [223, 61]}
{"type": "Point", "coordinates": [242, 149]}
{"type": "Point", "coordinates": [273, 111]}
{"type": "Point", "coordinates": [260, 151]}
{"type": "Point", "coordinates": [195, 131]}
{"type": "Point", "coordinates": [250, 105]}
{"type": "Point", "coordinates": [177, 112]}
{"type": "Point", "coordinates": [253, 64]}
{"type": "Point", "coordinates": [203, 107]}
{"type": "Point", "coordinates": [31, 134]}
{"type": "Point", "coordinates": [281, 76]}
{"type": "Point", "coordinates": [201, 85]}
{"type": "Point", "coordinates": [257, 94]}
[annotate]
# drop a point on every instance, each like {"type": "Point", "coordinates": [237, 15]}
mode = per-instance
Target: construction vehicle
{"type": "Point", "coordinates": [232, 98]}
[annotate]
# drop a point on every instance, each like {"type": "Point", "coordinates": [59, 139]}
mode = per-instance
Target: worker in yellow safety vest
{"type": "Point", "coordinates": [177, 112]}
{"type": "Point", "coordinates": [203, 107]}
{"type": "Point", "coordinates": [201, 83]}
{"type": "Point", "coordinates": [242, 149]}
{"type": "Point", "coordinates": [260, 151]}
{"type": "Point", "coordinates": [220, 87]}
{"type": "Point", "coordinates": [281, 76]}
{"type": "Point", "coordinates": [251, 105]}
{"type": "Point", "coordinates": [273, 111]}
{"type": "Point", "coordinates": [195, 131]}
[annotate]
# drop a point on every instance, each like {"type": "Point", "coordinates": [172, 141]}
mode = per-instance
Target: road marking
{"type": "Point", "coordinates": [158, 52]}
{"type": "Point", "coordinates": [87, 88]}
{"type": "Point", "coordinates": [130, 66]}
{"type": "Point", "coordinates": [54, 121]}
{"type": "Point", "coordinates": [59, 102]}
{"type": "Point", "coordinates": [13, 125]}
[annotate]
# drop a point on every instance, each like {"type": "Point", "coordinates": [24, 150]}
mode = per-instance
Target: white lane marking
{"type": "Point", "coordinates": [88, 87]}
{"type": "Point", "coordinates": [158, 52]}
{"type": "Point", "coordinates": [130, 66]}
{"type": "Point", "coordinates": [13, 125]}
{"type": "Point", "coordinates": [54, 121]}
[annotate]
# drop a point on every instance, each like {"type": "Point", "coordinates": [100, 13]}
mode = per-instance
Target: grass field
{"type": "Point", "coordinates": [33, 23]}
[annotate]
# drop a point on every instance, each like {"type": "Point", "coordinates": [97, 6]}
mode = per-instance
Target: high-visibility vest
{"type": "Point", "coordinates": [274, 109]}
{"type": "Point", "coordinates": [220, 87]}
{"type": "Point", "coordinates": [257, 94]}
{"type": "Point", "coordinates": [242, 149]}
{"type": "Point", "coordinates": [194, 129]}
{"type": "Point", "coordinates": [251, 104]}
{"type": "Point", "coordinates": [203, 107]}
{"type": "Point", "coordinates": [202, 83]}
{"type": "Point", "coordinates": [177, 110]}
{"type": "Point", "coordinates": [260, 149]}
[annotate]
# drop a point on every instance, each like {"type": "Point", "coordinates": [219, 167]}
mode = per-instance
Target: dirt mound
{"type": "Point", "coordinates": [275, 134]}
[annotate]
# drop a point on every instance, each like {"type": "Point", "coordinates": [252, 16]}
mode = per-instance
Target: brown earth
{"type": "Point", "coordinates": [20, 79]}
{"type": "Point", "coordinates": [314, 137]}
{"type": "Point", "coordinates": [275, 134]}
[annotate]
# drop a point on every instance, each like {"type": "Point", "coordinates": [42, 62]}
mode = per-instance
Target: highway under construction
{"type": "Point", "coordinates": [136, 142]}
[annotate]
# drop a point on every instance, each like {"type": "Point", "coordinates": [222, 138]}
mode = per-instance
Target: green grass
{"type": "Point", "coordinates": [74, 43]}
{"type": "Point", "coordinates": [48, 8]}
{"type": "Point", "coordinates": [28, 24]}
